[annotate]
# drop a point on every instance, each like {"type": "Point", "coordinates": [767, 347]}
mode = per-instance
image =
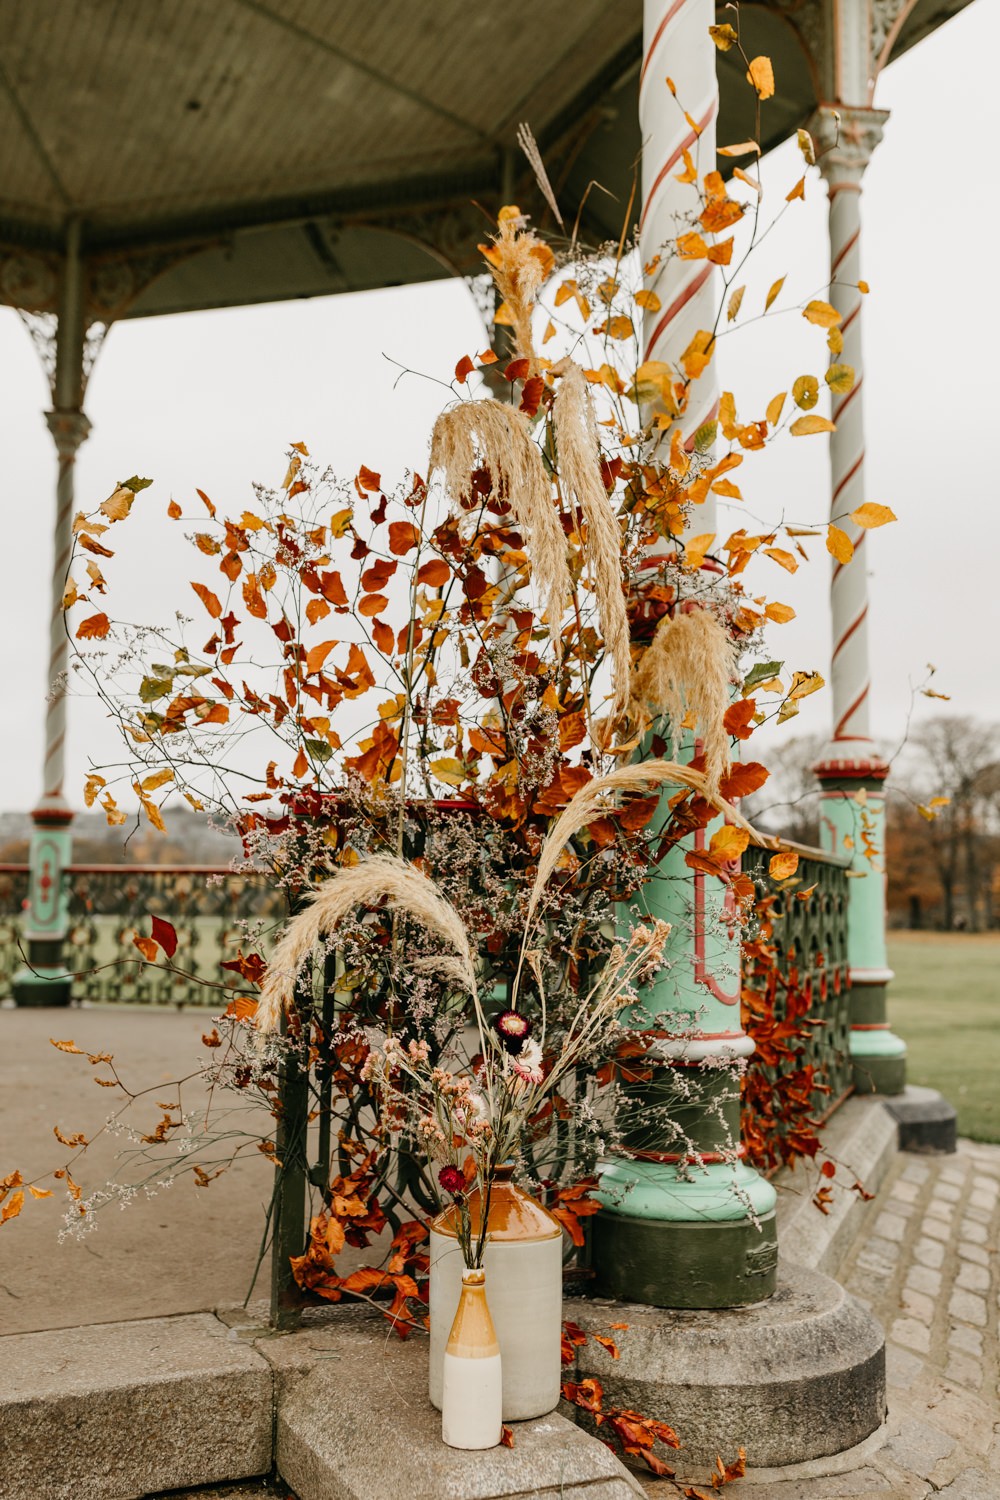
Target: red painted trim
{"type": "Point", "coordinates": [845, 325]}
{"type": "Point", "coordinates": [852, 710]}
{"type": "Point", "coordinates": [730, 912]}
{"type": "Point", "coordinates": [870, 1026]}
{"type": "Point", "coordinates": [678, 306]}
{"type": "Point", "coordinates": [689, 140]}
{"type": "Point", "coordinates": [677, 5]}
{"type": "Point", "coordinates": [848, 633]}
{"type": "Point", "coordinates": [839, 410]}
{"type": "Point", "coordinates": [845, 252]}
{"type": "Point", "coordinates": [847, 479]}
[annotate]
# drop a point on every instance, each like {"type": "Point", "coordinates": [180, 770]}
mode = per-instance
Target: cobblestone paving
{"type": "Point", "coordinates": [927, 1266]}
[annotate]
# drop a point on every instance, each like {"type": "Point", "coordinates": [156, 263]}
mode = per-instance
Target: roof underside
{"type": "Point", "coordinates": [222, 152]}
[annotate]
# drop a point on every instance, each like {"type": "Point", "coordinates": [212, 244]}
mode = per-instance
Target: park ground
{"type": "Point", "coordinates": [945, 1003]}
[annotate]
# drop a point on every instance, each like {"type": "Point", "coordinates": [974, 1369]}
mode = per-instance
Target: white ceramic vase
{"type": "Point", "coordinates": [472, 1376]}
{"type": "Point", "coordinates": [523, 1262]}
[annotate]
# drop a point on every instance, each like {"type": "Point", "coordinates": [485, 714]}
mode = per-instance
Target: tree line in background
{"type": "Point", "coordinates": [943, 857]}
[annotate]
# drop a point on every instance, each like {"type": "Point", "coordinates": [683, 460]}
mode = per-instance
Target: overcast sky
{"type": "Point", "coordinates": [213, 399]}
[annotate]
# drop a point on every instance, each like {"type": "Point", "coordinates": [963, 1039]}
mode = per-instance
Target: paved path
{"type": "Point", "coordinates": [927, 1266]}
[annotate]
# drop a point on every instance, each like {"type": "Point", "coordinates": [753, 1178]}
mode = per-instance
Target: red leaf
{"type": "Point", "coordinates": [738, 716]}
{"type": "Point", "coordinates": [531, 395]}
{"type": "Point", "coordinates": [377, 576]}
{"type": "Point", "coordinates": [164, 934]}
{"type": "Point", "coordinates": [464, 369]}
{"type": "Point", "coordinates": [507, 1436]}
{"type": "Point", "coordinates": [517, 369]}
{"type": "Point", "coordinates": [743, 779]}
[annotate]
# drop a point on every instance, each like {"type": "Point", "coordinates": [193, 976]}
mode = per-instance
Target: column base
{"type": "Point", "coordinates": [926, 1121]}
{"type": "Point", "coordinates": [692, 1264]}
{"type": "Point", "coordinates": [41, 987]}
{"type": "Point", "coordinates": [796, 1378]}
{"type": "Point", "coordinates": [878, 1062]}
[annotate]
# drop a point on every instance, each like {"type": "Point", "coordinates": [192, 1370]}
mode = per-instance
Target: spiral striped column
{"type": "Point", "coordinates": [44, 980]}
{"type": "Point", "coordinates": [677, 46]}
{"type": "Point", "coordinates": [851, 772]}
{"type": "Point", "coordinates": [686, 1221]}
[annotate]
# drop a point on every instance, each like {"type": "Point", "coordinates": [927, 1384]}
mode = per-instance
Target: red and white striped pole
{"type": "Point", "coordinates": [663, 1213]}
{"type": "Point", "coordinates": [851, 771]}
{"type": "Point", "coordinates": [678, 46]}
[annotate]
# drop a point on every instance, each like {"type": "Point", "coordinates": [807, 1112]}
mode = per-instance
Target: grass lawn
{"type": "Point", "coordinates": [945, 1004]}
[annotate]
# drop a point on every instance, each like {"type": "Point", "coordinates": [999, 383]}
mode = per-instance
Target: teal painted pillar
{"type": "Point", "coordinates": [853, 822]}
{"type": "Point", "coordinates": [686, 1222]}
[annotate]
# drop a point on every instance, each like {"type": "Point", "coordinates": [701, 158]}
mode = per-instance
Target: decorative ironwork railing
{"type": "Point", "coordinates": [797, 980]}
{"type": "Point", "coordinates": [213, 911]}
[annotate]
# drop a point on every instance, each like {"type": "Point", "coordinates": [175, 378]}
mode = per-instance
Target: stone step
{"type": "Point", "coordinates": [116, 1411]}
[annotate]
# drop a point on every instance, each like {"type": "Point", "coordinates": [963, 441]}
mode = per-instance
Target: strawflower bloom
{"type": "Point", "coordinates": [528, 1063]}
{"type": "Point", "coordinates": [512, 1030]}
{"type": "Point", "coordinates": [451, 1180]}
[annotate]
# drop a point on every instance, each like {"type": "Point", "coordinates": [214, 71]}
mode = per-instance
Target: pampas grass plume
{"type": "Point", "coordinates": [688, 668]}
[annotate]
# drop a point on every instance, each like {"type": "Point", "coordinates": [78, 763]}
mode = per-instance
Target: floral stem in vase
{"type": "Point", "coordinates": [472, 1406]}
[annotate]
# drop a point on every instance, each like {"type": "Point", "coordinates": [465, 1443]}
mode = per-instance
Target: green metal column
{"type": "Point", "coordinates": [686, 1222]}
{"type": "Point", "coordinates": [853, 822]}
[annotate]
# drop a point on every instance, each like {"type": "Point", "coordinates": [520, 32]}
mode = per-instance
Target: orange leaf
{"type": "Point", "coordinates": [368, 480]}
{"type": "Point", "coordinates": [839, 544]}
{"type": "Point", "coordinates": [728, 842]}
{"type": "Point", "coordinates": [95, 628]}
{"type": "Point", "coordinates": [384, 638]}
{"type": "Point", "coordinates": [301, 765]}
{"type": "Point", "coordinates": [147, 948]}
{"type": "Point", "coordinates": [464, 369]}
{"type": "Point", "coordinates": [316, 610]}
{"type": "Point", "coordinates": [372, 604]}
{"type": "Point", "coordinates": [403, 537]}
{"type": "Point", "coordinates": [781, 866]}
{"type": "Point", "coordinates": [174, 511]}
{"type": "Point", "coordinates": [779, 613]}
{"type": "Point", "coordinates": [434, 574]}
{"type": "Point", "coordinates": [209, 600]}
{"type": "Point", "coordinates": [761, 75]}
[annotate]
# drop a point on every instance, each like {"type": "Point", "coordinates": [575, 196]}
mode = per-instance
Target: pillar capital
{"type": "Point", "coordinates": [69, 427]}
{"type": "Point", "coordinates": [846, 136]}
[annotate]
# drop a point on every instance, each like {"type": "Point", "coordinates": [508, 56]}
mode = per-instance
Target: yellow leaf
{"type": "Point", "coordinates": [723, 36]}
{"type": "Point", "coordinates": [690, 172]}
{"type": "Point", "coordinates": [774, 408]}
{"type": "Point", "coordinates": [782, 866]}
{"type": "Point", "coordinates": [340, 521]}
{"type": "Point", "coordinates": [726, 488]}
{"type": "Point", "coordinates": [691, 246]}
{"type": "Point", "coordinates": [806, 426]}
{"type": "Point", "coordinates": [839, 544]}
{"type": "Point", "coordinates": [158, 779]}
{"type": "Point", "coordinates": [869, 515]}
{"type": "Point", "coordinates": [91, 787]}
{"type": "Point", "coordinates": [449, 770]}
{"type": "Point", "coordinates": [783, 559]}
{"type": "Point", "coordinates": [649, 300]}
{"type": "Point", "coordinates": [779, 613]}
{"type": "Point", "coordinates": [761, 75]}
{"type": "Point", "coordinates": [743, 148]}
{"type": "Point", "coordinates": [728, 842]}
{"type": "Point", "coordinates": [734, 303]}
{"type": "Point", "coordinates": [621, 328]}
{"type": "Point", "coordinates": [695, 549]}
{"type": "Point", "coordinates": [775, 289]}
{"type": "Point", "coordinates": [798, 191]}
{"type": "Point", "coordinates": [39, 1192]}
{"type": "Point", "coordinates": [117, 506]}
{"type": "Point", "coordinates": [807, 147]}
{"type": "Point", "coordinates": [112, 812]}
{"type": "Point", "coordinates": [805, 392]}
{"type": "Point", "coordinates": [70, 596]}
{"type": "Point", "coordinates": [823, 314]}
{"type": "Point", "coordinates": [804, 683]}
{"type": "Point", "coordinates": [698, 353]}
{"type": "Point", "coordinates": [12, 1207]}
{"type": "Point", "coordinates": [550, 332]}
{"type": "Point", "coordinates": [840, 379]}
{"type": "Point", "coordinates": [864, 288]}
{"type": "Point", "coordinates": [835, 341]}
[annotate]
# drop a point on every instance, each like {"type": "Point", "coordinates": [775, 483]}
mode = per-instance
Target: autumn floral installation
{"type": "Point", "coordinates": [460, 720]}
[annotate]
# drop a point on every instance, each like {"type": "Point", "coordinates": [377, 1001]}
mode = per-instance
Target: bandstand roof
{"type": "Point", "coordinates": [224, 152]}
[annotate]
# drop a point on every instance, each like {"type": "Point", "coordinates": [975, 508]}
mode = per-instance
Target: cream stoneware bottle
{"type": "Point", "coordinates": [472, 1377]}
